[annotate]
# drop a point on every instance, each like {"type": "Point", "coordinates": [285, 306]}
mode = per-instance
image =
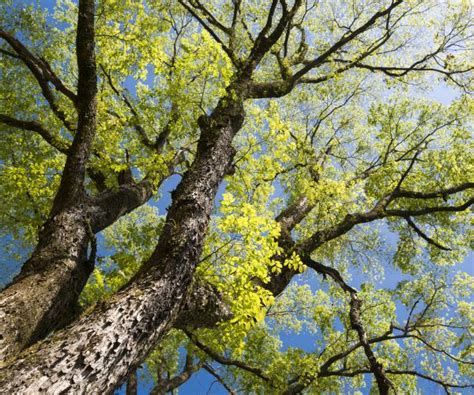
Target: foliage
{"type": "Point", "coordinates": [342, 139]}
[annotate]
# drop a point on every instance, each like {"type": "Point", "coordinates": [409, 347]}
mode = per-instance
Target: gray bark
{"type": "Point", "coordinates": [55, 274]}
{"type": "Point", "coordinates": [43, 297]}
{"type": "Point", "coordinates": [97, 351]}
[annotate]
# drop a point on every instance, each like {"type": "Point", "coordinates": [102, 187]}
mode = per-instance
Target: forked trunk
{"type": "Point", "coordinates": [96, 353]}
{"type": "Point", "coordinates": [44, 296]}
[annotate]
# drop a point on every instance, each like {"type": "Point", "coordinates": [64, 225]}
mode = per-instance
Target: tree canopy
{"type": "Point", "coordinates": [322, 152]}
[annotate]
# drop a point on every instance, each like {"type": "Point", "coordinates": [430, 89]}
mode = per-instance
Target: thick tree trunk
{"type": "Point", "coordinates": [57, 271]}
{"type": "Point", "coordinates": [96, 353]}
{"type": "Point", "coordinates": [43, 297]}
{"type": "Point", "coordinates": [49, 283]}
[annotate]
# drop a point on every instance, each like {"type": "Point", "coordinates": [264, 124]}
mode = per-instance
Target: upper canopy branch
{"type": "Point", "coordinates": [162, 138]}
{"type": "Point", "coordinates": [262, 44]}
{"type": "Point", "coordinates": [266, 39]}
{"type": "Point", "coordinates": [44, 74]}
{"type": "Point", "coordinates": [376, 368]}
{"type": "Point", "coordinates": [283, 87]}
{"type": "Point", "coordinates": [191, 8]}
{"type": "Point", "coordinates": [420, 233]}
{"type": "Point", "coordinates": [345, 39]}
{"type": "Point", "coordinates": [227, 361]}
{"type": "Point", "coordinates": [380, 211]}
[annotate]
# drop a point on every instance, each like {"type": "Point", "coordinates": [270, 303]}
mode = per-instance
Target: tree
{"type": "Point", "coordinates": [315, 118]}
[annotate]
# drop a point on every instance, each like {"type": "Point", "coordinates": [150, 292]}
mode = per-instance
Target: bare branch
{"type": "Point", "coordinates": [328, 271]}
{"type": "Point", "coordinates": [344, 40]}
{"type": "Point", "coordinates": [213, 372]}
{"type": "Point", "coordinates": [213, 34]}
{"type": "Point", "coordinates": [265, 40]}
{"type": "Point", "coordinates": [383, 383]}
{"type": "Point", "coordinates": [189, 369]}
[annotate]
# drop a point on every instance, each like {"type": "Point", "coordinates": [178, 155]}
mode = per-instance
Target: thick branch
{"type": "Point", "coordinates": [72, 181]}
{"type": "Point", "coordinates": [266, 40]}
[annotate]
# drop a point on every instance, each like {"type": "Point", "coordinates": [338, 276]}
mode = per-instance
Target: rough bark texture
{"type": "Point", "coordinates": [71, 188]}
{"type": "Point", "coordinates": [203, 308]}
{"type": "Point", "coordinates": [55, 274]}
{"type": "Point", "coordinates": [50, 281]}
{"type": "Point", "coordinates": [43, 297]}
{"type": "Point", "coordinates": [95, 354]}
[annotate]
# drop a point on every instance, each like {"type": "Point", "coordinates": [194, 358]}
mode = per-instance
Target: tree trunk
{"type": "Point", "coordinates": [95, 353]}
{"type": "Point", "coordinates": [43, 297]}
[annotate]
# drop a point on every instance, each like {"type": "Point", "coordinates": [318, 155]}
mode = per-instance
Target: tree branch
{"type": "Point", "coordinates": [378, 212]}
{"type": "Point", "coordinates": [72, 181]}
{"type": "Point", "coordinates": [43, 73]}
{"type": "Point", "coordinates": [189, 369]}
{"type": "Point", "coordinates": [53, 141]}
{"type": "Point", "coordinates": [213, 34]}
{"type": "Point", "coordinates": [383, 383]}
{"type": "Point", "coordinates": [424, 376]}
{"type": "Point", "coordinates": [226, 361]}
{"type": "Point", "coordinates": [212, 372]}
{"type": "Point", "coordinates": [420, 233]}
{"type": "Point", "coordinates": [344, 40]}
{"type": "Point", "coordinates": [441, 193]}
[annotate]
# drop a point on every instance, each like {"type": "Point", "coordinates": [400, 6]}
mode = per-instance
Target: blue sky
{"type": "Point", "coordinates": [202, 382]}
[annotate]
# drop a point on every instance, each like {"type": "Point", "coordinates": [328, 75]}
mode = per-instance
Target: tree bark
{"type": "Point", "coordinates": [58, 268]}
{"type": "Point", "coordinates": [43, 297]}
{"type": "Point", "coordinates": [49, 282]}
{"type": "Point", "coordinates": [96, 352]}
